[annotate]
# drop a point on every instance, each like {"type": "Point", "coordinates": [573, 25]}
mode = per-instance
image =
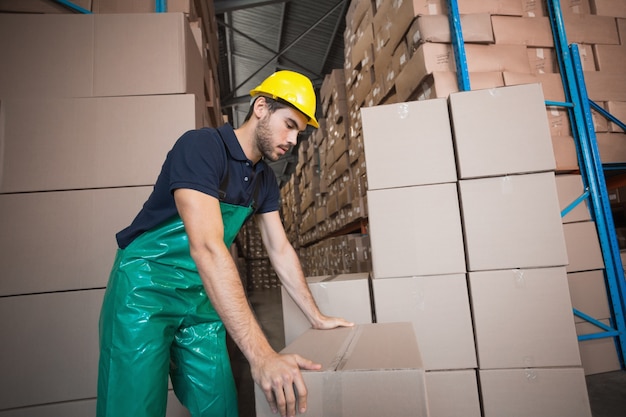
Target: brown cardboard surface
{"type": "Point", "coordinates": [590, 29]}
{"type": "Point", "coordinates": [140, 6]}
{"type": "Point", "coordinates": [476, 28]}
{"type": "Point", "coordinates": [162, 59]}
{"type": "Point", "coordinates": [501, 131]}
{"type": "Point", "coordinates": [371, 369]}
{"type": "Point", "coordinates": [605, 86]}
{"type": "Point", "coordinates": [452, 393]}
{"type": "Point", "coordinates": [597, 355]}
{"type": "Point", "coordinates": [415, 231]}
{"type": "Point", "coordinates": [565, 153]}
{"type": "Point", "coordinates": [46, 55]}
{"type": "Point", "coordinates": [343, 295]}
{"type": "Point", "coordinates": [559, 121]}
{"type": "Point", "coordinates": [542, 60]}
{"type": "Point", "coordinates": [583, 246]}
{"type": "Point", "coordinates": [72, 55]}
{"type": "Point", "coordinates": [552, 392]}
{"type": "Point", "coordinates": [512, 222]}
{"type": "Point", "coordinates": [440, 84]}
{"type": "Point", "coordinates": [430, 57]}
{"type": "Point", "coordinates": [503, 7]}
{"type": "Point", "coordinates": [63, 343]}
{"type": "Point", "coordinates": [39, 6]}
{"type": "Point", "coordinates": [529, 31]}
{"type": "Point", "coordinates": [551, 83]}
{"type": "Point", "coordinates": [523, 318]}
{"type": "Point", "coordinates": [110, 141]}
{"type": "Point", "coordinates": [618, 110]}
{"type": "Point", "coordinates": [57, 241]}
{"type": "Point", "coordinates": [569, 188]}
{"type": "Point", "coordinates": [588, 294]}
{"type": "Point", "coordinates": [422, 134]}
{"type": "Point", "coordinates": [612, 147]}
{"type": "Point", "coordinates": [614, 8]}
{"type": "Point", "coordinates": [438, 307]}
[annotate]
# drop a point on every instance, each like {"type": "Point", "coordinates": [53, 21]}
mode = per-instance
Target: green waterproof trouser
{"type": "Point", "coordinates": [156, 320]}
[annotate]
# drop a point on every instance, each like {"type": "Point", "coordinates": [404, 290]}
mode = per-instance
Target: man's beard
{"type": "Point", "coordinates": [264, 139]}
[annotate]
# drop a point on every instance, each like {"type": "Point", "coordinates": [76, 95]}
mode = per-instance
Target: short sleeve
{"type": "Point", "coordinates": [197, 161]}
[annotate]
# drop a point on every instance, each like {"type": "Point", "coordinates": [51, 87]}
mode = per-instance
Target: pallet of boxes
{"type": "Point", "coordinates": [89, 106]}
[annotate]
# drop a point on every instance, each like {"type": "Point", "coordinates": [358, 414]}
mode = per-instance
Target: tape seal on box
{"type": "Point", "coordinates": [331, 395]}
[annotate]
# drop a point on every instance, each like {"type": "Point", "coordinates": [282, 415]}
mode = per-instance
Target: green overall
{"type": "Point", "coordinates": [157, 320]}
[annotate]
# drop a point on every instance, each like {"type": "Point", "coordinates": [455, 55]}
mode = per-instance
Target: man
{"type": "Point", "coordinates": [174, 289]}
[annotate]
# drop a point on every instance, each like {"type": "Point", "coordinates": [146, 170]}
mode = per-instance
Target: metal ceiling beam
{"type": "Point", "coordinates": [224, 6]}
{"type": "Point", "coordinates": [267, 48]}
{"type": "Point", "coordinates": [286, 48]}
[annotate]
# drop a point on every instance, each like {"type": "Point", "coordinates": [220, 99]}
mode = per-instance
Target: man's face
{"type": "Point", "coordinates": [277, 132]}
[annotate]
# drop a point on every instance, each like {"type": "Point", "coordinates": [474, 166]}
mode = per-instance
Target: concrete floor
{"type": "Point", "coordinates": [607, 391]}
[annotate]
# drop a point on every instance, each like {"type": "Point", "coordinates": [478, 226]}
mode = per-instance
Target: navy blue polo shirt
{"type": "Point", "coordinates": [210, 161]}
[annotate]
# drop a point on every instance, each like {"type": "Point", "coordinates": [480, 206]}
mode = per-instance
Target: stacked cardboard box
{"type": "Point", "coordinates": [87, 118]}
{"type": "Point", "coordinates": [585, 273]}
{"type": "Point", "coordinates": [504, 243]}
{"type": "Point", "coordinates": [367, 370]}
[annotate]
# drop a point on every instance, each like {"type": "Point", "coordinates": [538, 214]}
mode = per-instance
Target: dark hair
{"type": "Point", "coordinates": [272, 106]}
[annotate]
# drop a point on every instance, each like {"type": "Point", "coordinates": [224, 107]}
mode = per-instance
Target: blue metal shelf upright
{"type": "Point", "coordinates": [579, 106]}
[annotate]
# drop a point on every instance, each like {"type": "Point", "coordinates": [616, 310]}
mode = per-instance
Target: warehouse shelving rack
{"type": "Point", "coordinates": [592, 170]}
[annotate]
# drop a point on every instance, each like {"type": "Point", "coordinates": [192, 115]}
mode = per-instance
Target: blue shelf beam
{"type": "Point", "coordinates": [592, 172]}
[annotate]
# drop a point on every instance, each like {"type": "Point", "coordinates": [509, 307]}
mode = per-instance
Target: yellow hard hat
{"type": "Point", "coordinates": [292, 87]}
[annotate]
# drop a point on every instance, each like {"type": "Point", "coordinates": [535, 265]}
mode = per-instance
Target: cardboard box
{"type": "Point", "coordinates": [109, 141]}
{"type": "Point", "coordinates": [569, 188]}
{"type": "Point", "coordinates": [415, 231]}
{"type": "Point", "coordinates": [501, 131]}
{"type": "Point", "coordinates": [542, 60]}
{"type": "Point", "coordinates": [559, 121]}
{"type": "Point", "coordinates": [523, 318]}
{"type": "Point", "coordinates": [551, 83]}
{"type": "Point", "coordinates": [590, 29]}
{"type": "Point", "coordinates": [499, 7]}
{"type": "Point", "coordinates": [371, 369]}
{"type": "Point", "coordinates": [343, 295]}
{"type": "Point", "coordinates": [618, 110]}
{"type": "Point", "coordinates": [512, 222]}
{"type": "Point", "coordinates": [438, 307]}
{"type": "Point", "coordinates": [565, 153]}
{"type": "Point", "coordinates": [430, 57]}
{"type": "Point", "coordinates": [475, 28]}
{"type": "Point", "coordinates": [76, 55]}
{"type": "Point", "coordinates": [70, 235]}
{"type": "Point", "coordinates": [534, 392]}
{"type": "Point", "coordinates": [605, 86]}
{"type": "Point", "coordinates": [58, 335]}
{"type": "Point", "coordinates": [614, 8]}
{"type": "Point", "coordinates": [140, 6]}
{"type": "Point", "coordinates": [452, 393]}
{"type": "Point", "coordinates": [597, 355]}
{"type": "Point", "coordinates": [529, 31]}
{"type": "Point", "coordinates": [440, 84]}
{"type": "Point", "coordinates": [422, 133]}
{"type": "Point", "coordinates": [612, 147]}
{"type": "Point", "coordinates": [583, 246]}
{"type": "Point", "coordinates": [589, 294]}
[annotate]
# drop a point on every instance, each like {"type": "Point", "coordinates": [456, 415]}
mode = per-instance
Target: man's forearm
{"type": "Point", "coordinates": [225, 290]}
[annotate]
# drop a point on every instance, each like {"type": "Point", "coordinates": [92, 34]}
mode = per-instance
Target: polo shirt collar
{"type": "Point", "coordinates": [227, 134]}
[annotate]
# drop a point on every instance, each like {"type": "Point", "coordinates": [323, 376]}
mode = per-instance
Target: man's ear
{"type": "Point", "coordinates": [260, 107]}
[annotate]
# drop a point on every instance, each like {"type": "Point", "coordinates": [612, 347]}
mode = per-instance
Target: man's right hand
{"type": "Point", "coordinates": [280, 379]}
